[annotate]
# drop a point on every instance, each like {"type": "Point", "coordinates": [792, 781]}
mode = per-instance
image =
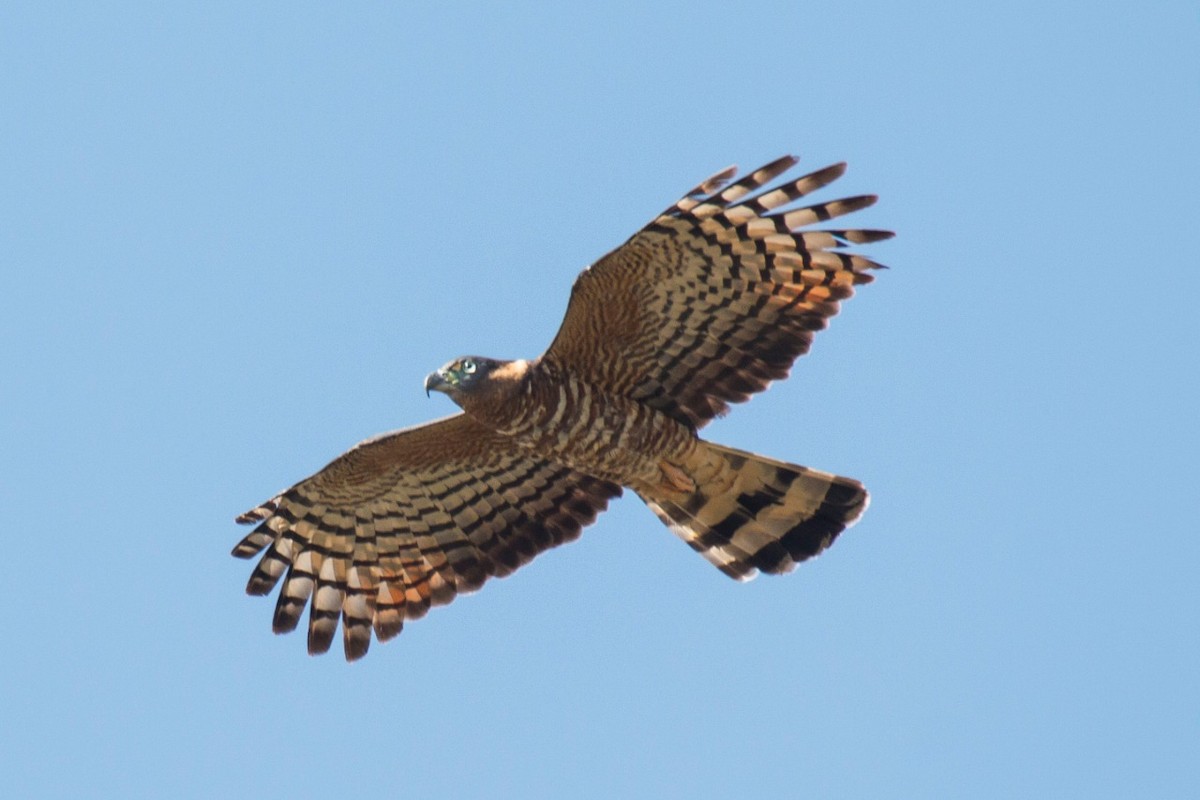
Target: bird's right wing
{"type": "Point", "coordinates": [408, 520]}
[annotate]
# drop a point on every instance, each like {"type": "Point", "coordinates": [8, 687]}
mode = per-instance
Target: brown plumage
{"type": "Point", "coordinates": [703, 307]}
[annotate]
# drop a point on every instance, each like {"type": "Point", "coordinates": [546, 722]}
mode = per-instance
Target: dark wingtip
{"type": "Point", "coordinates": [714, 182]}
{"type": "Point", "coordinates": [781, 164]}
{"type": "Point", "coordinates": [356, 649]}
{"type": "Point", "coordinates": [831, 173]}
{"type": "Point", "coordinates": [319, 642]}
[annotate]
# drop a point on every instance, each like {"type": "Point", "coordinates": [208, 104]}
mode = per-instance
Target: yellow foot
{"type": "Point", "coordinates": [676, 479]}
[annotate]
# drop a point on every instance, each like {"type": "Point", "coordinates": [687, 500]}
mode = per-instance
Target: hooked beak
{"type": "Point", "coordinates": [436, 381]}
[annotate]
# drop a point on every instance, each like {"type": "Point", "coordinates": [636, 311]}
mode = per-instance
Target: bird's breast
{"type": "Point", "coordinates": [601, 434]}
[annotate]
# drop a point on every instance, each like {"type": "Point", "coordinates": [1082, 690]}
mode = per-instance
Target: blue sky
{"type": "Point", "coordinates": [234, 240]}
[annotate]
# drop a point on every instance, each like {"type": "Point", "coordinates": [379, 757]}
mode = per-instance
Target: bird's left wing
{"type": "Point", "coordinates": [717, 296]}
{"type": "Point", "coordinates": [409, 520]}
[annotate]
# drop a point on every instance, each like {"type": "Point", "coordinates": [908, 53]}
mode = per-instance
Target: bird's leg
{"type": "Point", "coordinates": [675, 479]}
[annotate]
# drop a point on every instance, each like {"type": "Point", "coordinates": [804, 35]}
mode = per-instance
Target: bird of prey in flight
{"type": "Point", "coordinates": [705, 306]}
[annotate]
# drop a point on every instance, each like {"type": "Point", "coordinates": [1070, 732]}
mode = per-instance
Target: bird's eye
{"type": "Point", "coordinates": [468, 366]}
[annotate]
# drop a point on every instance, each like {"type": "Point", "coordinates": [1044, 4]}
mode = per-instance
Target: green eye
{"type": "Point", "coordinates": [468, 366]}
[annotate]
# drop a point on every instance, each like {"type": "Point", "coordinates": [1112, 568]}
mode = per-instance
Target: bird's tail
{"type": "Point", "coordinates": [749, 513]}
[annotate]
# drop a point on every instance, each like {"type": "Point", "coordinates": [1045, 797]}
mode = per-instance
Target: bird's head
{"type": "Point", "coordinates": [461, 376]}
{"type": "Point", "coordinates": [481, 386]}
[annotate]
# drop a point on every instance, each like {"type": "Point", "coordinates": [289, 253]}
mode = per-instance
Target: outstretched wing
{"type": "Point", "coordinates": [717, 296]}
{"type": "Point", "coordinates": [406, 521]}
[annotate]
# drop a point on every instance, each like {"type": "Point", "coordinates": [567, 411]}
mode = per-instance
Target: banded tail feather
{"type": "Point", "coordinates": [751, 514]}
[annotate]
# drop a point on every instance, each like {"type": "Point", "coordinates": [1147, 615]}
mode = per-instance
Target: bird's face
{"type": "Point", "coordinates": [460, 376]}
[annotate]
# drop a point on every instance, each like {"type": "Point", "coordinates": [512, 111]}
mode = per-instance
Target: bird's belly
{"type": "Point", "coordinates": [608, 436]}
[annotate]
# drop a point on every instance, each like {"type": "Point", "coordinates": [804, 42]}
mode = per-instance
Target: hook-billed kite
{"type": "Point", "coordinates": [703, 307]}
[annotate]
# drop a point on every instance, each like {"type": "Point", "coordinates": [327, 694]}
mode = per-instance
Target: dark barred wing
{"type": "Point", "coordinates": [717, 296]}
{"type": "Point", "coordinates": [406, 521]}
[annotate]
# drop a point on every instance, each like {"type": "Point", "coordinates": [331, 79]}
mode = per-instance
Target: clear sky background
{"type": "Point", "coordinates": [233, 241]}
